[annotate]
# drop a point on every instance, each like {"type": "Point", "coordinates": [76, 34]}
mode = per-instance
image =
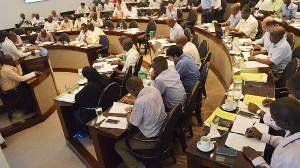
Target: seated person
{"type": "Point", "coordinates": [88, 97]}
{"type": "Point", "coordinates": [94, 33]}
{"type": "Point", "coordinates": [79, 20]}
{"type": "Point", "coordinates": [119, 11]}
{"type": "Point", "coordinates": [280, 52]}
{"type": "Point", "coordinates": [44, 36]}
{"type": "Point", "coordinates": [23, 21]}
{"type": "Point", "coordinates": [276, 6]}
{"type": "Point", "coordinates": [181, 3]}
{"type": "Point", "coordinates": [122, 56]}
{"type": "Point", "coordinates": [32, 18]}
{"type": "Point", "coordinates": [108, 5]}
{"type": "Point", "coordinates": [37, 20]}
{"type": "Point", "coordinates": [56, 16]}
{"type": "Point", "coordinates": [18, 43]}
{"type": "Point", "coordinates": [176, 30]}
{"type": "Point", "coordinates": [11, 78]}
{"type": "Point", "coordinates": [84, 33]}
{"type": "Point", "coordinates": [154, 3]}
{"type": "Point", "coordinates": [8, 47]}
{"type": "Point", "coordinates": [171, 11]}
{"type": "Point", "coordinates": [94, 11]}
{"type": "Point", "coordinates": [98, 6]}
{"type": "Point", "coordinates": [188, 48]}
{"type": "Point", "coordinates": [131, 56]}
{"type": "Point", "coordinates": [185, 66]}
{"type": "Point", "coordinates": [167, 81]}
{"type": "Point", "coordinates": [234, 18]}
{"type": "Point", "coordinates": [66, 23]}
{"type": "Point", "coordinates": [247, 26]}
{"type": "Point", "coordinates": [289, 10]}
{"type": "Point", "coordinates": [50, 25]}
{"type": "Point", "coordinates": [263, 44]}
{"type": "Point", "coordinates": [262, 5]}
{"type": "Point", "coordinates": [131, 12]}
{"type": "Point", "coordinates": [82, 8]}
{"type": "Point", "coordinates": [97, 22]}
{"type": "Point", "coordinates": [148, 114]}
{"type": "Point", "coordinates": [122, 4]}
{"type": "Point", "coordinates": [161, 11]}
{"type": "Point", "coordinates": [285, 112]}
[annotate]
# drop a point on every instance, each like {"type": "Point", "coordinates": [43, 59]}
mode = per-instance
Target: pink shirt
{"type": "Point", "coordinates": [45, 39]}
{"type": "Point", "coordinates": [19, 41]}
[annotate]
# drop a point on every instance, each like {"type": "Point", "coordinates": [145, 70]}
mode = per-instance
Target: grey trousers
{"type": "Point", "coordinates": [130, 160]}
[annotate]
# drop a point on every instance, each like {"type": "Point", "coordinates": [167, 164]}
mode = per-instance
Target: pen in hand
{"type": "Point", "coordinates": [251, 127]}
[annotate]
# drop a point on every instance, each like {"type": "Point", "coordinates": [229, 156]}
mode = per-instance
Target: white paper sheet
{"type": "Point", "coordinates": [168, 44]}
{"type": "Point", "coordinates": [241, 124]}
{"type": "Point", "coordinates": [262, 56]}
{"type": "Point", "coordinates": [47, 43]}
{"type": "Point", "coordinates": [119, 108]}
{"type": "Point", "coordinates": [246, 55]}
{"type": "Point", "coordinates": [122, 124]}
{"type": "Point", "coordinates": [255, 64]}
{"type": "Point", "coordinates": [67, 98]}
{"type": "Point", "coordinates": [112, 59]}
{"type": "Point", "coordinates": [265, 109]}
{"type": "Point", "coordinates": [237, 142]}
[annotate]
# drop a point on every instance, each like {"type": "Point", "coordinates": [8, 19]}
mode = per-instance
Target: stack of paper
{"type": "Point", "coordinates": [98, 64]}
{"type": "Point", "coordinates": [255, 64]}
{"type": "Point", "coordinates": [246, 48]}
{"type": "Point", "coordinates": [255, 77]}
{"type": "Point", "coordinates": [112, 59]}
{"type": "Point", "coordinates": [168, 44]}
{"type": "Point", "coordinates": [255, 99]}
{"type": "Point", "coordinates": [119, 108]}
{"type": "Point", "coordinates": [237, 142]}
{"type": "Point", "coordinates": [107, 68]}
{"type": "Point", "coordinates": [241, 124]}
{"type": "Point", "coordinates": [122, 123]}
{"type": "Point", "coordinates": [222, 114]}
{"type": "Point", "coordinates": [69, 98]}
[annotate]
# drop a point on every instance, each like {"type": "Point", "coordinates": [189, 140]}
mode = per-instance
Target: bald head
{"type": "Point", "coordinates": [12, 36]}
{"type": "Point", "coordinates": [181, 40]}
{"type": "Point", "coordinates": [234, 9]}
{"type": "Point", "coordinates": [276, 34]}
{"type": "Point", "coordinates": [8, 59]}
{"type": "Point", "coordinates": [170, 22]}
{"type": "Point", "coordinates": [268, 23]}
{"type": "Point", "coordinates": [127, 44]}
{"type": "Point", "coordinates": [170, 6]}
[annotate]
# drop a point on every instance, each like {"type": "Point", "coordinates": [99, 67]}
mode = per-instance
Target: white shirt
{"type": "Point", "coordinates": [37, 21]}
{"type": "Point", "coordinates": [66, 25]}
{"type": "Point", "coordinates": [82, 36]}
{"type": "Point", "coordinates": [8, 47]}
{"type": "Point", "coordinates": [82, 10]}
{"type": "Point", "coordinates": [98, 8]}
{"type": "Point", "coordinates": [131, 57]}
{"type": "Point", "coordinates": [176, 31]}
{"type": "Point", "coordinates": [109, 6]}
{"type": "Point", "coordinates": [97, 23]}
{"type": "Point", "coordinates": [191, 50]}
{"type": "Point", "coordinates": [154, 4]}
{"type": "Point", "coordinates": [218, 4]}
{"type": "Point", "coordinates": [181, 3]}
{"type": "Point", "coordinates": [123, 4]}
{"type": "Point", "coordinates": [133, 13]}
{"type": "Point", "coordinates": [51, 26]}
{"type": "Point", "coordinates": [78, 23]}
{"type": "Point", "coordinates": [117, 12]}
{"type": "Point", "coordinates": [248, 27]}
{"type": "Point", "coordinates": [263, 4]}
{"type": "Point", "coordinates": [25, 23]}
{"type": "Point", "coordinates": [95, 35]}
{"type": "Point", "coordinates": [264, 41]}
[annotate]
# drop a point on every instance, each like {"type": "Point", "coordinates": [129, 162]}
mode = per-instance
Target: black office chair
{"type": "Point", "coordinates": [124, 24]}
{"type": "Point", "coordinates": [109, 95]}
{"type": "Point", "coordinates": [70, 17]}
{"type": "Point", "coordinates": [138, 65]}
{"type": "Point", "coordinates": [127, 75]}
{"type": "Point", "coordinates": [54, 37]}
{"type": "Point", "coordinates": [143, 4]}
{"type": "Point", "coordinates": [151, 26]}
{"type": "Point", "coordinates": [36, 29]}
{"type": "Point", "coordinates": [103, 52]}
{"type": "Point", "coordinates": [179, 14]}
{"type": "Point", "coordinates": [133, 24]}
{"type": "Point", "coordinates": [203, 49]}
{"type": "Point", "coordinates": [64, 37]}
{"type": "Point", "coordinates": [109, 24]}
{"type": "Point", "coordinates": [195, 40]}
{"type": "Point", "coordinates": [203, 77]}
{"type": "Point", "coordinates": [164, 142]}
{"type": "Point", "coordinates": [187, 33]}
{"type": "Point", "coordinates": [11, 103]}
{"type": "Point", "coordinates": [290, 69]}
{"type": "Point", "coordinates": [290, 37]}
{"type": "Point", "coordinates": [32, 38]}
{"type": "Point", "coordinates": [3, 35]}
{"type": "Point", "coordinates": [149, 12]}
{"type": "Point", "coordinates": [107, 15]}
{"type": "Point", "coordinates": [296, 53]}
{"type": "Point", "coordinates": [139, 13]}
{"type": "Point", "coordinates": [19, 31]}
{"type": "Point", "coordinates": [260, 30]}
{"type": "Point", "coordinates": [184, 123]}
{"type": "Point", "coordinates": [191, 20]}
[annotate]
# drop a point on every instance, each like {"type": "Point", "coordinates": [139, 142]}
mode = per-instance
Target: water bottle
{"type": "Point", "coordinates": [121, 26]}
{"type": "Point", "coordinates": [237, 88]}
{"type": "Point", "coordinates": [143, 76]}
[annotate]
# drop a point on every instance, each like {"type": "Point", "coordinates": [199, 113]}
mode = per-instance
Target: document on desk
{"type": "Point", "coordinates": [168, 44]}
{"type": "Point", "coordinates": [69, 98]}
{"type": "Point", "coordinates": [121, 122]}
{"type": "Point", "coordinates": [241, 124]}
{"type": "Point", "coordinates": [265, 109]}
{"type": "Point", "coordinates": [237, 142]}
{"type": "Point", "coordinates": [255, 64]}
{"type": "Point", "coordinates": [222, 114]}
{"type": "Point", "coordinates": [255, 77]}
{"type": "Point", "coordinates": [246, 55]}
{"type": "Point", "coordinates": [112, 59]}
{"type": "Point", "coordinates": [262, 56]}
{"type": "Point", "coordinates": [254, 99]}
{"type": "Point", "coordinates": [119, 108]}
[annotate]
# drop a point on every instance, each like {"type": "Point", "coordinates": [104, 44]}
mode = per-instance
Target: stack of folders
{"type": "Point", "coordinates": [225, 119]}
{"type": "Point", "coordinates": [255, 77]}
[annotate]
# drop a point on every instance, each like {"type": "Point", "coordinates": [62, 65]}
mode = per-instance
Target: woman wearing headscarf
{"type": "Point", "coordinates": [89, 97]}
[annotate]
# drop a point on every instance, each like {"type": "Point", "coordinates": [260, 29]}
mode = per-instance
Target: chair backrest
{"type": "Point", "coordinates": [149, 12]}
{"type": "Point", "coordinates": [36, 29]}
{"type": "Point", "coordinates": [128, 74]}
{"type": "Point", "coordinates": [70, 17]}
{"type": "Point", "coordinates": [138, 65]}
{"type": "Point", "coordinates": [54, 37]}
{"type": "Point", "coordinates": [260, 30]}
{"type": "Point", "coordinates": [289, 70]}
{"type": "Point", "coordinates": [179, 14]}
{"type": "Point", "coordinates": [133, 24]}
{"type": "Point", "coordinates": [195, 40]}
{"type": "Point", "coordinates": [203, 73]}
{"type": "Point", "coordinates": [192, 15]}
{"type": "Point", "coordinates": [109, 95]}
{"type": "Point", "coordinates": [107, 14]}
{"type": "Point", "coordinates": [142, 4]}
{"type": "Point", "coordinates": [139, 12]}
{"type": "Point", "coordinates": [109, 24]}
{"type": "Point", "coordinates": [104, 41]}
{"type": "Point", "coordinates": [223, 4]}
{"type": "Point", "coordinates": [290, 38]}
{"type": "Point", "coordinates": [64, 37]}
{"type": "Point", "coordinates": [207, 57]}
{"type": "Point", "coordinates": [167, 130]}
{"type": "Point", "coordinates": [296, 53]}
{"type": "Point", "coordinates": [124, 24]}
{"type": "Point", "coordinates": [203, 49]}
{"type": "Point", "coordinates": [3, 35]}
{"type": "Point", "coordinates": [19, 31]}
{"type": "Point", "coordinates": [187, 33]}
{"type": "Point", "coordinates": [32, 38]}
{"type": "Point", "coordinates": [151, 26]}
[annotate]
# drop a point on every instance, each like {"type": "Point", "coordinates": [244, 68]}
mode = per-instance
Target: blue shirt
{"type": "Point", "coordinates": [290, 11]}
{"type": "Point", "coordinates": [264, 41]}
{"type": "Point", "coordinates": [170, 86]}
{"type": "Point", "coordinates": [188, 71]}
{"type": "Point", "coordinates": [148, 112]}
{"type": "Point", "coordinates": [172, 14]}
{"type": "Point", "coordinates": [206, 4]}
{"type": "Point", "coordinates": [280, 54]}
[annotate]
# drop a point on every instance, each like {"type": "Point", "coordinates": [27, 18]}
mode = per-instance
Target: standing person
{"type": "Point", "coordinates": [208, 10]}
{"type": "Point", "coordinates": [23, 21]}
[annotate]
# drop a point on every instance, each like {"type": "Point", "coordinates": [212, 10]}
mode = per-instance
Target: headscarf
{"type": "Point", "coordinates": [93, 76]}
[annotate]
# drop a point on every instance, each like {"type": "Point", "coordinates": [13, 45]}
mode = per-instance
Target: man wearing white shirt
{"type": "Point", "coordinates": [108, 5]}
{"type": "Point", "coordinates": [37, 20]}
{"type": "Point", "coordinates": [94, 33]}
{"type": "Point", "coordinates": [119, 11]}
{"type": "Point", "coordinates": [66, 23]}
{"type": "Point", "coordinates": [84, 33]}
{"type": "Point", "coordinates": [82, 9]}
{"type": "Point", "coordinates": [98, 6]}
{"type": "Point", "coordinates": [248, 25]}
{"type": "Point", "coordinates": [50, 25]}
{"type": "Point", "coordinates": [171, 11]}
{"type": "Point", "coordinates": [122, 4]}
{"type": "Point", "coordinates": [176, 30]}
{"type": "Point", "coordinates": [23, 21]}
{"type": "Point", "coordinates": [188, 48]}
{"type": "Point", "coordinates": [79, 21]}
{"type": "Point", "coordinates": [56, 16]}
{"type": "Point", "coordinates": [181, 3]}
{"type": "Point", "coordinates": [131, 12]}
{"type": "Point", "coordinates": [262, 5]}
{"type": "Point", "coordinates": [154, 3]}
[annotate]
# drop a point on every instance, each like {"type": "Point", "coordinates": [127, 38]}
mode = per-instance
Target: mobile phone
{"type": "Point", "coordinates": [112, 121]}
{"type": "Point", "coordinates": [226, 151]}
{"type": "Point", "coordinates": [245, 114]}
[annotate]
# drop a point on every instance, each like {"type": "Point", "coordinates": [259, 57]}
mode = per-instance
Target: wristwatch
{"type": "Point", "coordinates": [258, 111]}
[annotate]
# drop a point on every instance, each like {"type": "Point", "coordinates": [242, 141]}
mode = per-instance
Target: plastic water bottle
{"type": "Point", "coordinates": [143, 76]}
{"type": "Point", "coordinates": [237, 87]}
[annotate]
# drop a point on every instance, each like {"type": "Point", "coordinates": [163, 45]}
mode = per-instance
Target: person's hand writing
{"type": "Point", "coordinates": [254, 133]}
{"type": "Point", "coordinates": [267, 102]}
{"type": "Point", "coordinates": [38, 73]}
{"type": "Point", "coordinates": [164, 15]}
{"type": "Point", "coordinates": [128, 100]}
{"type": "Point", "coordinates": [169, 40]}
{"type": "Point", "coordinates": [161, 36]}
{"type": "Point", "coordinates": [250, 153]}
{"type": "Point", "coordinates": [227, 28]}
{"type": "Point", "coordinates": [128, 109]}
{"type": "Point", "coordinates": [251, 58]}
{"type": "Point", "coordinates": [248, 43]}
{"type": "Point", "coordinates": [114, 63]}
{"type": "Point", "coordinates": [253, 108]}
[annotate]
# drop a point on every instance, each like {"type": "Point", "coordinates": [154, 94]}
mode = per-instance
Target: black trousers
{"type": "Point", "coordinates": [83, 116]}
{"type": "Point", "coordinates": [207, 17]}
